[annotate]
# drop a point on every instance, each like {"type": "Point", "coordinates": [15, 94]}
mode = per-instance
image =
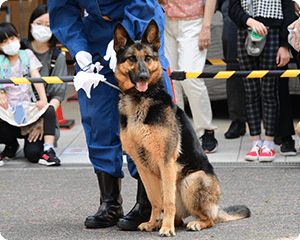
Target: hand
{"type": "Point", "coordinates": [41, 103]}
{"type": "Point", "coordinates": [3, 100]}
{"type": "Point", "coordinates": [257, 26]}
{"type": "Point", "coordinates": [85, 62]}
{"type": "Point", "coordinates": [283, 56]}
{"type": "Point", "coordinates": [204, 38]}
{"type": "Point", "coordinates": [35, 134]}
{"type": "Point", "coordinates": [111, 54]}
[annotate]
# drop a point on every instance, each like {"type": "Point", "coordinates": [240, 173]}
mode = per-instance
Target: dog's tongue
{"type": "Point", "coordinates": [142, 86]}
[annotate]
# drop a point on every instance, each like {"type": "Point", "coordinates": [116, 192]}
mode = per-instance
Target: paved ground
{"type": "Point", "coordinates": [52, 203]}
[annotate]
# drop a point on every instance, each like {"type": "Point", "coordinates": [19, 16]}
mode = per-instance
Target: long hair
{"type": "Point", "coordinates": [39, 11]}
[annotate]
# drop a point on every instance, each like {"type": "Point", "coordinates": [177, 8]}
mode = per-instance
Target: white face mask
{"type": "Point", "coordinates": [41, 33]}
{"type": "Point", "coordinates": [12, 49]}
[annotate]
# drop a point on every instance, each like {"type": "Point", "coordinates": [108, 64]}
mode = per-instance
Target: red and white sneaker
{"type": "Point", "coordinates": [253, 154]}
{"type": "Point", "coordinates": [267, 154]}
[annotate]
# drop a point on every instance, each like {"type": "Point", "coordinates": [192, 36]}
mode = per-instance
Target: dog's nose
{"type": "Point", "coordinates": [144, 75]}
{"type": "Point", "coordinates": [143, 72]}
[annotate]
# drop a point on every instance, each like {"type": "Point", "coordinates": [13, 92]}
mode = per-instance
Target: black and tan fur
{"type": "Point", "coordinates": [178, 178]}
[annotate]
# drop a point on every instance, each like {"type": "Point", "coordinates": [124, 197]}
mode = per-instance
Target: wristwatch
{"type": "Point", "coordinates": [2, 90]}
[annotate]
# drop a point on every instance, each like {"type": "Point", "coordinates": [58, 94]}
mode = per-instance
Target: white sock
{"type": "Point", "coordinates": [258, 142]}
{"type": "Point", "coordinates": [269, 144]}
{"type": "Point", "coordinates": [47, 146]}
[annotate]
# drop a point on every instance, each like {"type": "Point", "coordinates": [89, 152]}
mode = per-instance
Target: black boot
{"type": "Point", "coordinates": [139, 213]}
{"type": "Point", "coordinates": [110, 209]}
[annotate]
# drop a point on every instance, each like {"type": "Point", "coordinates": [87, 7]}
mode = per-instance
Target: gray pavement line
{"type": "Point", "coordinates": [267, 201]}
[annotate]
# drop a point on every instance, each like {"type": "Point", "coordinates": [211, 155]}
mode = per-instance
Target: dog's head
{"type": "Point", "coordinates": [138, 63]}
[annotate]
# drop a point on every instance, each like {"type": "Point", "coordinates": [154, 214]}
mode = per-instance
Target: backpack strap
{"type": "Point", "coordinates": [4, 68]}
{"type": "Point", "coordinates": [55, 53]}
{"type": "Point", "coordinates": [25, 61]}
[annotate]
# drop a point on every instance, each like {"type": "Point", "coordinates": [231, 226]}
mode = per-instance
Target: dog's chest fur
{"type": "Point", "coordinates": [148, 129]}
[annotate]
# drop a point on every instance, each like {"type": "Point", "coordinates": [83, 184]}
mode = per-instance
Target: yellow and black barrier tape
{"type": "Point", "coordinates": [176, 75]}
{"type": "Point", "coordinates": [181, 75]}
{"type": "Point", "coordinates": [24, 80]}
{"type": "Point", "coordinates": [234, 61]}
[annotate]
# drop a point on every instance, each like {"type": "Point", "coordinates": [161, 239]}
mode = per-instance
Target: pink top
{"type": "Point", "coordinates": [184, 9]}
{"type": "Point", "coordinates": [21, 92]}
{"type": "Point", "coordinates": [294, 36]}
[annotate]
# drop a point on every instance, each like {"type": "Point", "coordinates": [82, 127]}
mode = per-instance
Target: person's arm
{"type": "Point", "coordinates": [3, 99]}
{"type": "Point", "coordinates": [237, 14]}
{"type": "Point", "coordinates": [205, 34]}
{"type": "Point", "coordinates": [57, 92]}
{"type": "Point", "coordinates": [137, 15]}
{"type": "Point", "coordinates": [67, 26]}
{"type": "Point", "coordinates": [243, 19]}
{"type": "Point", "coordinates": [283, 56]}
{"type": "Point", "coordinates": [40, 89]}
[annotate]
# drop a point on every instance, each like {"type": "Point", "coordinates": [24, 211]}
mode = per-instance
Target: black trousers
{"type": "Point", "coordinates": [235, 86]}
{"type": "Point", "coordinates": [285, 127]}
{"type": "Point", "coordinates": [32, 150]}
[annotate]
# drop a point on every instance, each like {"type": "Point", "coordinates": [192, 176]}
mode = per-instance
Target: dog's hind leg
{"type": "Point", "coordinates": [153, 190]}
{"type": "Point", "coordinates": [200, 193]}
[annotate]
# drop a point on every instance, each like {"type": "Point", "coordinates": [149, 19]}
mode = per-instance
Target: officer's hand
{"type": "Point", "coordinates": [85, 62]}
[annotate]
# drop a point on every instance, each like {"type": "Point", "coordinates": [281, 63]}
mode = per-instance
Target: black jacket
{"type": "Point", "coordinates": [240, 17]}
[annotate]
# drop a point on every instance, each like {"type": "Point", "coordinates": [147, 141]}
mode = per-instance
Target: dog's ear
{"type": "Point", "coordinates": [151, 34]}
{"type": "Point", "coordinates": [121, 37]}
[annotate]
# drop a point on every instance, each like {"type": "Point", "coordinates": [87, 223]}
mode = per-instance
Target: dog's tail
{"type": "Point", "coordinates": [232, 213]}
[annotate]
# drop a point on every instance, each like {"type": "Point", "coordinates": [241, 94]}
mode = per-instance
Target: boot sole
{"type": "Point", "coordinates": [124, 226]}
{"type": "Point", "coordinates": [99, 225]}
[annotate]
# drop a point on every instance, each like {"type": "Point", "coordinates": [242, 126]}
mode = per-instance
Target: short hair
{"type": "Point", "coordinates": [39, 11]}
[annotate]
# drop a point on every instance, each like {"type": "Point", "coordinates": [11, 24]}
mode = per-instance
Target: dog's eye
{"type": "Point", "coordinates": [148, 58]}
{"type": "Point", "coordinates": [132, 59]}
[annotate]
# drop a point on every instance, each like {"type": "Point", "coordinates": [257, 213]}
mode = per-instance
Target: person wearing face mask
{"type": "Point", "coordinates": [19, 117]}
{"type": "Point", "coordinates": [43, 44]}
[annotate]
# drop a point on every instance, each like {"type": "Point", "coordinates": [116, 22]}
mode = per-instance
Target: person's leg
{"type": "Point", "coordinates": [8, 136]}
{"type": "Point", "coordinates": [269, 93]}
{"type": "Point", "coordinates": [191, 59]}
{"type": "Point", "coordinates": [49, 157]}
{"type": "Point", "coordinates": [252, 95]}
{"type": "Point", "coordinates": [234, 86]}
{"type": "Point", "coordinates": [285, 125]}
{"type": "Point", "coordinates": [33, 151]}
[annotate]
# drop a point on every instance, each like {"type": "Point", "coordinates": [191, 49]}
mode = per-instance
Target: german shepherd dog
{"type": "Point", "coordinates": [156, 133]}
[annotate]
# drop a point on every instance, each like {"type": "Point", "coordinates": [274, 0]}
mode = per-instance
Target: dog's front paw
{"type": "Point", "coordinates": [167, 232]}
{"type": "Point", "coordinates": [148, 226]}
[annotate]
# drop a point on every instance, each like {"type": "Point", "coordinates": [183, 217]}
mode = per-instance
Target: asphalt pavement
{"type": "Point", "coordinates": [52, 203]}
